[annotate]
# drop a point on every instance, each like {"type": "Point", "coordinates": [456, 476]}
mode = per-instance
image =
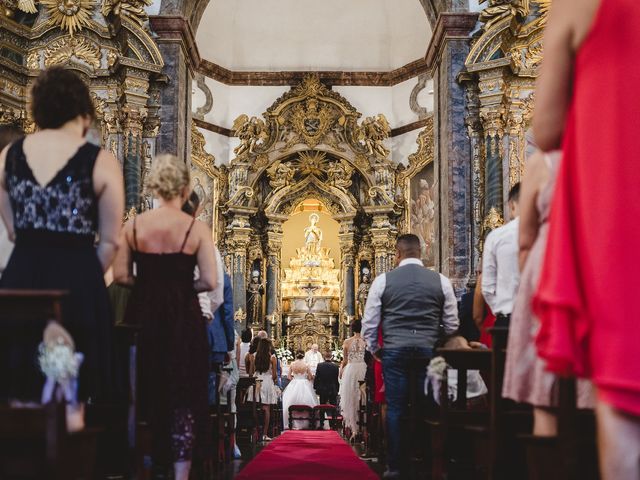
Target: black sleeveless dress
{"type": "Point", "coordinates": [172, 353]}
{"type": "Point", "coordinates": [56, 227]}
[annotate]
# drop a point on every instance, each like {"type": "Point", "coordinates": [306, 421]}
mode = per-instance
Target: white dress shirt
{"type": "Point", "coordinates": [373, 309]}
{"type": "Point", "coordinates": [500, 269]}
{"type": "Point", "coordinates": [211, 301]}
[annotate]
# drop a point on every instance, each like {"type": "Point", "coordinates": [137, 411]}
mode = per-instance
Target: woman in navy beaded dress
{"type": "Point", "coordinates": [61, 199]}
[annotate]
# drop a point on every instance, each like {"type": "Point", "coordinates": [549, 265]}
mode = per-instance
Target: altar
{"type": "Point", "coordinates": [311, 294]}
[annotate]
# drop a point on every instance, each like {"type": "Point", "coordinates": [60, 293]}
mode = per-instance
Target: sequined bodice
{"type": "Point", "coordinates": [356, 351]}
{"type": "Point", "coordinates": [67, 204]}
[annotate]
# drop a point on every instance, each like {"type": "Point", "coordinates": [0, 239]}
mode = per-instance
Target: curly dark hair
{"type": "Point", "coordinates": [299, 355]}
{"type": "Point", "coordinates": [58, 96]}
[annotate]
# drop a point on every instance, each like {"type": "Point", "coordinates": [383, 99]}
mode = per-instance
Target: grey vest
{"type": "Point", "coordinates": [412, 306]}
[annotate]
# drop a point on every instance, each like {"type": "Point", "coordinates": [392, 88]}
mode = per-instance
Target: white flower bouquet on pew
{"type": "Point", "coordinates": [60, 363]}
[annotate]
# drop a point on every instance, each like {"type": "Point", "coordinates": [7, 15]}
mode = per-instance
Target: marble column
{"type": "Point", "coordinates": [176, 43]}
{"type": "Point", "coordinates": [447, 53]}
{"type": "Point", "coordinates": [274, 252]}
{"type": "Point", "coordinates": [238, 241]}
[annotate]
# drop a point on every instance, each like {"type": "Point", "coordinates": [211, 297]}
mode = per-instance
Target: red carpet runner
{"type": "Point", "coordinates": [307, 455]}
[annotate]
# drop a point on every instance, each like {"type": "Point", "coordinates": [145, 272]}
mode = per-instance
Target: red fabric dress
{"type": "Point", "coordinates": [588, 290]}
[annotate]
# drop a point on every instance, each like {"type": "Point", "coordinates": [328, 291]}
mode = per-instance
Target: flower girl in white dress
{"type": "Point", "coordinates": [299, 391]}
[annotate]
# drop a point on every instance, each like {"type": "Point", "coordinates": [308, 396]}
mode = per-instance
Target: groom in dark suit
{"type": "Point", "coordinates": [326, 381]}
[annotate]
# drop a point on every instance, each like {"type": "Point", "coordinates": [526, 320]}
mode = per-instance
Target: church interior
{"type": "Point", "coordinates": [316, 133]}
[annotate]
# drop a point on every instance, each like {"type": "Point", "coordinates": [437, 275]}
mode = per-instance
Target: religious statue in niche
{"type": "Point", "coordinates": [363, 291]}
{"type": "Point", "coordinates": [423, 221]}
{"type": "Point", "coordinates": [255, 291]}
{"type": "Point", "coordinates": [313, 236]}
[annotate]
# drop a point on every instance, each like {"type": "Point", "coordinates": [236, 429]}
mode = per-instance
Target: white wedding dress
{"type": "Point", "coordinates": [350, 392]}
{"type": "Point", "coordinates": [298, 392]}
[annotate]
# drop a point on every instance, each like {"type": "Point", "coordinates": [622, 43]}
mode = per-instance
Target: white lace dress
{"type": "Point", "coordinates": [350, 392]}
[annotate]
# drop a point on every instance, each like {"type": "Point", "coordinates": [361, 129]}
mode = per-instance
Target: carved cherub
{"type": "Point", "coordinates": [281, 175]}
{"type": "Point", "coordinates": [134, 9]}
{"type": "Point", "coordinates": [339, 175]}
{"type": "Point", "coordinates": [250, 131]}
{"type": "Point", "coordinates": [373, 132]}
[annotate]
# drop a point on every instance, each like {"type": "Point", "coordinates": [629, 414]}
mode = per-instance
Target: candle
{"type": "Point", "coordinates": [330, 321]}
{"type": "Point", "coordinates": [288, 320]}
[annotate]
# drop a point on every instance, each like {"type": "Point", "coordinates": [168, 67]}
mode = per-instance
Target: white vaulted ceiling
{"type": "Point", "coordinates": [307, 35]}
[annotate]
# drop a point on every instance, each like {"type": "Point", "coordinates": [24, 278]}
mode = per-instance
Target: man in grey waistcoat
{"type": "Point", "coordinates": [409, 304]}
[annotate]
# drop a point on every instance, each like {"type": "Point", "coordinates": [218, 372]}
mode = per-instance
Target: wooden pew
{"type": "Point", "coordinates": [246, 412]}
{"type": "Point", "coordinates": [572, 454]}
{"type": "Point", "coordinates": [34, 442]}
{"type": "Point", "coordinates": [451, 426]}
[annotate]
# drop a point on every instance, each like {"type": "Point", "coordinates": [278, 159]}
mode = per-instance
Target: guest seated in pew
{"type": "Point", "coordinates": [476, 388]}
{"type": "Point", "coordinates": [299, 391]}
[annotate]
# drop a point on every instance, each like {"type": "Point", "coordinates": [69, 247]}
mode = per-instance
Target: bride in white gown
{"type": "Point", "coordinates": [353, 372]}
{"type": "Point", "coordinates": [299, 391]}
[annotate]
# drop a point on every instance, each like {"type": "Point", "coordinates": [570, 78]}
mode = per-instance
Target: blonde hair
{"type": "Point", "coordinates": [169, 176]}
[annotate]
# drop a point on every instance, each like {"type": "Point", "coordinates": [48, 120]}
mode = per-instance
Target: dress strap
{"type": "Point", "coordinates": [186, 237]}
{"type": "Point", "coordinates": [135, 234]}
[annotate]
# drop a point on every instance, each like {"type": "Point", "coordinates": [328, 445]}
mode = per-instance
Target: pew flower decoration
{"type": "Point", "coordinates": [435, 376]}
{"type": "Point", "coordinates": [58, 361]}
{"type": "Point", "coordinates": [283, 353]}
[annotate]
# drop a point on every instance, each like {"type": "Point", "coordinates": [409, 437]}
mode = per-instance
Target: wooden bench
{"type": "Point", "coordinates": [456, 417]}
{"type": "Point", "coordinates": [35, 444]}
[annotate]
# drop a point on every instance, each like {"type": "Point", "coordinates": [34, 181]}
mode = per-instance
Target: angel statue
{"type": "Point", "coordinates": [134, 9]}
{"type": "Point", "coordinates": [250, 131]}
{"type": "Point", "coordinates": [373, 132]}
{"type": "Point", "coordinates": [281, 174]}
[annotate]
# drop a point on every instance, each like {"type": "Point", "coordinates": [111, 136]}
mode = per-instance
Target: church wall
{"type": "Point", "coordinates": [403, 146]}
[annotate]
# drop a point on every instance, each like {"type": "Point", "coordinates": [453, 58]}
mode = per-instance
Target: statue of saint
{"type": "Point", "coordinates": [313, 236]}
{"type": "Point", "coordinates": [254, 300]}
{"type": "Point", "coordinates": [363, 292]}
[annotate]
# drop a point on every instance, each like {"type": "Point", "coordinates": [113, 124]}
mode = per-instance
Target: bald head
{"type": "Point", "coordinates": [408, 246]}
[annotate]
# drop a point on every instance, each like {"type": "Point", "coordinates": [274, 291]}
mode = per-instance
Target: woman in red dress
{"type": "Point", "coordinates": [587, 102]}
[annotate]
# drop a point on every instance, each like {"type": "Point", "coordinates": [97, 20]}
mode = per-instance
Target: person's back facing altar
{"type": "Point", "coordinates": [298, 392]}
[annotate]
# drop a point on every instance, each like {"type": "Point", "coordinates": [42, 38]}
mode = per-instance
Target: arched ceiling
{"type": "Point", "coordinates": [312, 35]}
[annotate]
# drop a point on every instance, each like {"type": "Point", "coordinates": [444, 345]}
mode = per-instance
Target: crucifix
{"type": "Point", "coordinates": [310, 301]}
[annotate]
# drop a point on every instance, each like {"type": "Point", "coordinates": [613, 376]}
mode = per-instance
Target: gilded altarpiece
{"type": "Point", "coordinates": [310, 144]}
{"type": "Point", "coordinates": [110, 45]}
{"type": "Point", "coordinates": [499, 78]}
